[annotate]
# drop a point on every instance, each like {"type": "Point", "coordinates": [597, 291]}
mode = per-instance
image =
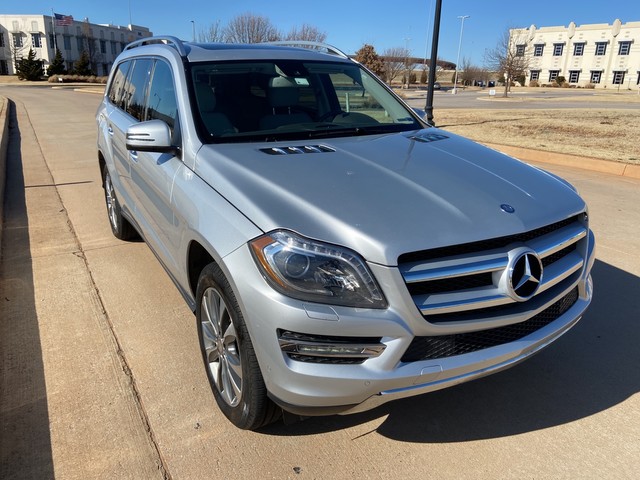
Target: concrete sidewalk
{"type": "Point", "coordinates": [83, 418]}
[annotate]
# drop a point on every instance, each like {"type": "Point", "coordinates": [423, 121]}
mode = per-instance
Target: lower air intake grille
{"type": "Point", "coordinates": [431, 348]}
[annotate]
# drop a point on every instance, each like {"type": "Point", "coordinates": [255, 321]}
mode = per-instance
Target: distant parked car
{"type": "Point", "coordinates": [436, 86]}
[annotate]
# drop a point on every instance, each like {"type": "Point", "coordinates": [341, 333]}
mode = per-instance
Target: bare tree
{"type": "Point", "coordinates": [395, 62]}
{"type": "Point", "coordinates": [307, 33]}
{"type": "Point", "coordinates": [472, 73]}
{"type": "Point", "coordinates": [507, 59]}
{"type": "Point", "coordinates": [250, 28]}
{"type": "Point", "coordinates": [90, 45]}
{"type": "Point", "coordinates": [214, 33]}
{"type": "Point", "coordinates": [16, 49]}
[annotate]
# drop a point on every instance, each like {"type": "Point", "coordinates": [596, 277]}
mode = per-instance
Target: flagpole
{"type": "Point", "coordinates": [53, 25]}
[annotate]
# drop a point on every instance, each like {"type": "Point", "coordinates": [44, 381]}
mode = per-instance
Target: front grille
{"type": "Point", "coordinates": [473, 282]}
{"type": "Point", "coordinates": [431, 348]}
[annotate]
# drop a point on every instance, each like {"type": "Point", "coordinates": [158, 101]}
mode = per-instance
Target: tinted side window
{"type": "Point", "coordinates": [136, 88]}
{"type": "Point", "coordinates": [117, 85]}
{"type": "Point", "coordinates": [162, 104]}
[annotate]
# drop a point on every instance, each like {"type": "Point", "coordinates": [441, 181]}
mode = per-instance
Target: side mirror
{"type": "Point", "coordinates": [150, 136]}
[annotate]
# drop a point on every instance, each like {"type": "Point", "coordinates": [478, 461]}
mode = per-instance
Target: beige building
{"type": "Point", "coordinates": [43, 34]}
{"type": "Point", "coordinates": [602, 55]}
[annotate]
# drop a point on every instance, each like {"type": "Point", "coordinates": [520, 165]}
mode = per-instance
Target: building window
{"type": "Point", "coordinates": [520, 50]}
{"type": "Point", "coordinates": [114, 50]}
{"type": "Point", "coordinates": [618, 77]}
{"type": "Point", "coordinates": [67, 42]}
{"type": "Point", "coordinates": [601, 48]}
{"type": "Point", "coordinates": [535, 75]}
{"type": "Point", "coordinates": [553, 74]}
{"type": "Point", "coordinates": [17, 40]}
{"type": "Point", "coordinates": [80, 43]}
{"type": "Point", "coordinates": [574, 76]}
{"type": "Point", "coordinates": [624, 48]}
{"type": "Point", "coordinates": [103, 46]}
{"type": "Point", "coordinates": [595, 76]}
{"type": "Point", "coordinates": [537, 50]}
{"type": "Point", "coordinates": [578, 49]}
{"type": "Point", "coordinates": [36, 40]}
{"type": "Point", "coordinates": [1, 39]}
{"type": "Point", "coordinates": [52, 41]}
{"type": "Point", "coordinates": [4, 67]}
{"type": "Point", "coordinates": [557, 49]}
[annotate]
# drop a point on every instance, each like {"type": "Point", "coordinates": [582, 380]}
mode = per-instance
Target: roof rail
{"type": "Point", "coordinates": [311, 45]}
{"type": "Point", "coordinates": [165, 40]}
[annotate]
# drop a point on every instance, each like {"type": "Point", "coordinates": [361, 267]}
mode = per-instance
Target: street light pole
{"type": "Point", "coordinates": [193, 30]}
{"type": "Point", "coordinates": [455, 80]}
{"type": "Point", "coordinates": [433, 62]}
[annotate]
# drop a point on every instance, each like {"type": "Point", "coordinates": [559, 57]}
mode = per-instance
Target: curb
{"type": "Point", "coordinates": [567, 160]}
{"type": "Point", "coordinates": [4, 144]}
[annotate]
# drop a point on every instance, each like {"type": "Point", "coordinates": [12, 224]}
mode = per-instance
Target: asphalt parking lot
{"type": "Point", "coordinates": [101, 374]}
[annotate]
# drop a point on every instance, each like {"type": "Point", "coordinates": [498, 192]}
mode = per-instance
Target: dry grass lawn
{"type": "Point", "coordinates": [611, 134]}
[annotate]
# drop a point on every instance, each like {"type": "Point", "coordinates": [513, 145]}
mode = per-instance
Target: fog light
{"type": "Point", "coordinates": [356, 348]}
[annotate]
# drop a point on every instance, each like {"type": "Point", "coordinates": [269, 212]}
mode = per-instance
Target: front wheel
{"type": "Point", "coordinates": [229, 358]}
{"type": "Point", "coordinates": [120, 227]}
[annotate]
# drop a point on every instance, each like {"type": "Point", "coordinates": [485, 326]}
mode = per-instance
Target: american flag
{"type": "Point", "coordinates": [63, 20]}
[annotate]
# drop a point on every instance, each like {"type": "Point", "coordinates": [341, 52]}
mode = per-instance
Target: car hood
{"type": "Point", "coordinates": [385, 195]}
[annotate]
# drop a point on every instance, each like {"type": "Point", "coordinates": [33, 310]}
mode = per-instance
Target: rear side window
{"type": "Point", "coordinates": [117, 85]}
{"type": "Point", "coordinates": [162, 103]}
{"type": "Point", "coordinates": [136, 88]}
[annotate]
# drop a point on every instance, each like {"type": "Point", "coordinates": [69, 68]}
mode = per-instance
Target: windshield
{"type": "Point", "coordinates": [286, 99]}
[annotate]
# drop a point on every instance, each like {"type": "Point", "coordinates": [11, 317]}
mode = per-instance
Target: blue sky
{"type": "Point", "coordinates": [350, 24]}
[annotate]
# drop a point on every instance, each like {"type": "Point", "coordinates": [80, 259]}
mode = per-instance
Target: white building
{"type": "Point", "coordinates": [606, 56]}
{"type": "Point", "coordinates": [103, 43]}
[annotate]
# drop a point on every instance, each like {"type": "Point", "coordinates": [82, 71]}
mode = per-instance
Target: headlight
{"type": "Point", "coordinates": [316, 272]}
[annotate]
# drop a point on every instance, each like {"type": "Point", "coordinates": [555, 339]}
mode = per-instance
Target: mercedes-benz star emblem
{"type": "Point", "coordinates": [525, 275]}
{"type": "Point", "coordinates": [505, 207]}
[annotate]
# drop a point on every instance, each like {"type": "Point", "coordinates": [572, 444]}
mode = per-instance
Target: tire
{"type": "Point", "coordinates": [229, 358]}
{"type": "Point", "coordinates": [120, 226]}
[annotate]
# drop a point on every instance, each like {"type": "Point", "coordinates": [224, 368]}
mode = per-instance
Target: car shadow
{"type": "Point", "coordinates": [590, 369]}
{"type": "Point", "coordinates": [25, 443]}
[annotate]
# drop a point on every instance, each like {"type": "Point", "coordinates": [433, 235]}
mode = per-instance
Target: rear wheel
{"type": "Point", "coordinates": [229, 358]}
{"type": "Point", "coordinates": [120, 226]}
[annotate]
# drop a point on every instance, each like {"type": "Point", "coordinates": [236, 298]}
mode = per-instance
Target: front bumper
{"type": "Point", "coordinates": [320, 389]}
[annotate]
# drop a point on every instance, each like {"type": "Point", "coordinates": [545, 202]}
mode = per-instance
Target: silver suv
{"type": "Point", "coordinates": [337, 251]}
